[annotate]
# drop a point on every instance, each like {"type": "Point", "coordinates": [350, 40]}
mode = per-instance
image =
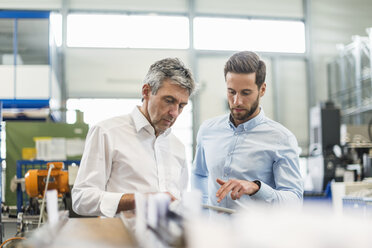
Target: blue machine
{"type": "Point", "coordinates": [23, 166]}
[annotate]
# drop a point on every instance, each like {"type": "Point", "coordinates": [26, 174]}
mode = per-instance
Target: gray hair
{"type": "Point", "coordinates": [169, 68]}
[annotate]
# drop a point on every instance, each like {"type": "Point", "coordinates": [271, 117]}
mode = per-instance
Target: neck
{"type": "Point", "coordinates": [143, 110]}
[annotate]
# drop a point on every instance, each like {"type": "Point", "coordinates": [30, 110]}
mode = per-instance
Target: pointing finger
{"type": "Point", "coordinates": [220, 182]}
{"type": "Point", "coordinates": [226, 191]}
{"type": "Point", "coordinates": [222, 188]}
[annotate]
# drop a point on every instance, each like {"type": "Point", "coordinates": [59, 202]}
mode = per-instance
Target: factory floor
{"type": "Point", "coordinates": [9, 230]}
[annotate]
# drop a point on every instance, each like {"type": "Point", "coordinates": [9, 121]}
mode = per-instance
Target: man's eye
{"type": "Point", "coordinates": [168, 101]}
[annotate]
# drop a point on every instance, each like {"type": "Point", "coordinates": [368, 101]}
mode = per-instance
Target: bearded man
{"type": "Point", "coordinates": [245, 157]}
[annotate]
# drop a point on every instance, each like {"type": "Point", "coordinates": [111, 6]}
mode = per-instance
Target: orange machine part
{"type": "Point", "coordinates": [35, 180]}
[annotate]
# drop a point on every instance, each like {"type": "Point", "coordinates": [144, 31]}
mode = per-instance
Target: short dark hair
{"type": "Point", "coordinates": [247, 62]}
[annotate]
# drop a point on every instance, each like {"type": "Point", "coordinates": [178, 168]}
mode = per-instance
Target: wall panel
{"type": "Point", "coordinates": [282, 8]}
{"type": "Point", "coordinates": [31, 4]}
{"type": "Point", "coordinates": [292, 98]}
{"type": "Point", "coordinates": [131, 5]}
{"type": "Point", "coordinates": [111, 73]}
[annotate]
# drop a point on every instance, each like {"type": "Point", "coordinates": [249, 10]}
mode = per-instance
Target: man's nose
{"type": "Point", "coordinates": [237, 99]}
{"type": "Point", "coordinates": [174, 111]}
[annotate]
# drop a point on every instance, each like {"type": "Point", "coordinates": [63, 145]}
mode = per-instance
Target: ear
{"type": "Point", "coordinates": [262, 89]}
{"type": "Point", "coordinates": [146, 91]}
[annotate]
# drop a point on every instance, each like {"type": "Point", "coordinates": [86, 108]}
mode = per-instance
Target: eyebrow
{"type": "Point", "coordinates": [174, 99]}
{"type": "Point", "coordinates": [241, 90]}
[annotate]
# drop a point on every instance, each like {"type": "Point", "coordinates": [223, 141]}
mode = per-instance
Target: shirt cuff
{"type": "Point", "coordinates": [265, 193]}
{"type": "Point", "coordinates": [109, 203]}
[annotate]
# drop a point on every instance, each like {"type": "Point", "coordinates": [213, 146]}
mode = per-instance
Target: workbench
{"type": "Point", "coordinates": [92, 232]}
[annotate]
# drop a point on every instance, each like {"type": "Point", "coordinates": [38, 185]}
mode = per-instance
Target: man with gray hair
{"type": "Point", "coordinates": [137, 152]}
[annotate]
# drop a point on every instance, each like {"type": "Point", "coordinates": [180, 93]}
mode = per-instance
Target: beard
{"type": "Point", "coordinates": [159, 125]}
{"type": "Point", "coordinates": [247, 113]}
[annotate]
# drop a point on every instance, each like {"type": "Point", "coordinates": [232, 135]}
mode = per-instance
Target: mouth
{"type": "Point", "coordinates": [238, 110]}
{"type": "Point", "coordinates": [168, 122]}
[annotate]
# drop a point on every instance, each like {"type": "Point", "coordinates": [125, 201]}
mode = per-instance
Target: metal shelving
{"type": "Point", "coordinates": [1, 175]}
{"type": "Point", "coordinates": [350, 80]}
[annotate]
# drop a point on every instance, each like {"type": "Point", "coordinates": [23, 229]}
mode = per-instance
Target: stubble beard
{"type": "Point", "coordinates": [242, 117]}
{"type": "Point", "coordinates": [159, 128]}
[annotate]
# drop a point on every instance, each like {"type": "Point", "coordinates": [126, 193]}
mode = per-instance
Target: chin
{"type": "Point", "coordinates": [162, 130]}
{"type": "Point", "coordinates": [239, 116]}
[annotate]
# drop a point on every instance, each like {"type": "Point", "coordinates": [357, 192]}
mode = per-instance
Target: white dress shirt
{"type": "Point", "coordinates": [122, 155]}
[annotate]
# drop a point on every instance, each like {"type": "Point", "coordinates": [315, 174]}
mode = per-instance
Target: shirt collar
{"type": "Point", "coordinates": [141, 122]}
{"type": "Point", "coordinates": [248, 125]}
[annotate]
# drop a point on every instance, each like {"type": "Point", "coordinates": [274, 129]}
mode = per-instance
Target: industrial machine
{"type": "Point", "coordinates": [30, 182]}
{"type": "Point", "coordinates": [35, 180]}
{"type": "Point", "coordinates": [325, 124]}
{"type": "Point", "coordinates": [31, 185]}
{"type": "Point", "coordinates": [337, 152]}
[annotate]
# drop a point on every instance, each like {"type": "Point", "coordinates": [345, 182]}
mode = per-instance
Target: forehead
{"type": "Point", "coordinates": [171, 89]}
{"type": "Point", "coordinates": [241, 80]}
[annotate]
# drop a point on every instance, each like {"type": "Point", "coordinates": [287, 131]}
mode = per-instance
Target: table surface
{"type": "Point", "coordinates": [94, 232]}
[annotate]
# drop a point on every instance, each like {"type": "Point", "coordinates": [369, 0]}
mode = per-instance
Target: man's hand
{"type": "Point", "coordinates": [127, 201]}
{"type": "Point", "coordinates": [237, 188]}
{"type": "Point", "coordinates": [171, 196]}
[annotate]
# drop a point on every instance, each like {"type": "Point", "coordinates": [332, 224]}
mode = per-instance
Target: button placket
{"type": "Point", "coordinates": [162, 170]}
{"type": "Point", "coordinates": [227, 166]}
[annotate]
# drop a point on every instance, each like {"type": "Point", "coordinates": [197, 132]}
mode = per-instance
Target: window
{"type": "Point", "coordinates": [127, 31]}
{"type": "Point", "coordinates": [96, 110]}
{"type": "Point", "coordinates": [172, 32]}
{"type": "Point", "coordinates": [243, 34]}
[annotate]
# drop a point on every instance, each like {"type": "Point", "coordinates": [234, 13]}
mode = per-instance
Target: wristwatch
{"type": "Point", "coordinates": [259, 186]}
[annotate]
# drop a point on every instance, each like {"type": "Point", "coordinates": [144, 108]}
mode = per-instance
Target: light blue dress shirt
{"type": "Point", "coordinates": [259, 149]}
